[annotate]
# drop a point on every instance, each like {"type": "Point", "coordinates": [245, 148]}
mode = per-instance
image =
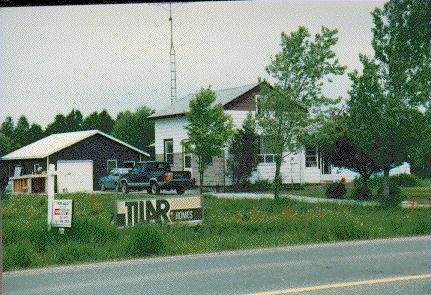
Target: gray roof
{"type": "Point", "coordinates": [223, 96]}
{"type": "Point", "coordinates": [57, 142]}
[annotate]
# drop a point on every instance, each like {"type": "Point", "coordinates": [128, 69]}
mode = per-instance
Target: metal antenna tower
{"type": "Point", "coordinates": [173, 63]}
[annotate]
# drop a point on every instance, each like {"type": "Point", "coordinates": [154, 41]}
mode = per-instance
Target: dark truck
{"type": "Point", "coordinates": [155, 176]}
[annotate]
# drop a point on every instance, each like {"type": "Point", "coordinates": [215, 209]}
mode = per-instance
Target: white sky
{"type": "Point", "coordinates": [53, 59]}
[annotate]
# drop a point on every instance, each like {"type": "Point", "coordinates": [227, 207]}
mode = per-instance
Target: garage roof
{"type": "Point", "coordinates": [223, 96]}
{"type": "Point", "coordinates": [57, 142]}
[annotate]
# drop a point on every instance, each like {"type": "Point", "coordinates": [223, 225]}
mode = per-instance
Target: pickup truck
{"type": "Point", "coordinates": [155, 176]}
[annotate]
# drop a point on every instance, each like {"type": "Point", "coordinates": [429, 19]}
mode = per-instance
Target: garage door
{"type": "Point", "coordinates": [74, 176]}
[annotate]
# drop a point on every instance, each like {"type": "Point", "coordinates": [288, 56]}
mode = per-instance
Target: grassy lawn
{"type": "Point", "coordinates": [309, 191]}
{"type": "Point", "coordinates": [229, 224]}
{"type": "Point", "coordinates": [423, 193]}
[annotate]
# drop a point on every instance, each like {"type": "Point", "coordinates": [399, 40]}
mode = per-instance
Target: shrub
{"type": "Point", "coordinates": [73, 252]}
{"type": "Point", "coordinates": [406, 180]}
{"type": "Point", "coordinates": [361, 192]}
{"type": "Point", "coordinates": [335, 190]}
{"type": "Point", "coordinates": [262, 185]}
{"type": "Point", "coordinates": [242, 186]}
{"type": "Point", "coordinates": [88, 230]}
{"type": "Point", "coordinates": [395, 197]}
{"type": "Point", "coordinates": [18, 255]}
{"type": "Point", "coordinates": [38, 236]}
{"type": "Point", "coordinates": [146, 240]}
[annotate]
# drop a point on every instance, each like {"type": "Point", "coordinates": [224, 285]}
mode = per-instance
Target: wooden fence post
{"type": "Point", "coordinates": [92, 200]}
{"type": "Point", "coordinates": [413, 203]}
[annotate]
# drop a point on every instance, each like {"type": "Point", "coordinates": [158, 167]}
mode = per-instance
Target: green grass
{"type": "Point", "coordinates": [229, 224]}
{"type": "Point", "coordinates": [310, 191]}
{"type": "Point", "coordinates": [423, 193]}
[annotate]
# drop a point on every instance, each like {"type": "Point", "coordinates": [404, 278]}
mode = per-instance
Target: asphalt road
{"type": "Point", "coordinates": [315, 269]}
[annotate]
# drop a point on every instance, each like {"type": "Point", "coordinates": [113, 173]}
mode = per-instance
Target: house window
{"type": "Point", "coordinates": [169, 150]}
{"type": "Point", "coordinates": [187, 158]}
{"type": "Point", "coordinates": [266, 152]}
{"type": "Point", "coordinates": [325, 164]}
{"type": "Point", "coordinates": [310, 157]}
{"type": "Point", "coordinates": [36, 167]}
{"type": "Point", "coordinates": [111, 164]}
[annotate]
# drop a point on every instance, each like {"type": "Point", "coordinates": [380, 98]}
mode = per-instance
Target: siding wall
{"type": "Point", "coordinates": [174, 128]}
{"type": "Point", "coordinates": [99, 149]}
{"type": "Point", "coordinates": [170, 128]}
{"type": "Point", "coordinates": [293, 168]}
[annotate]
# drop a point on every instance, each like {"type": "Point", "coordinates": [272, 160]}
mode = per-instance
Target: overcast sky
{"type": "Point", "coordinates": [53, 59]}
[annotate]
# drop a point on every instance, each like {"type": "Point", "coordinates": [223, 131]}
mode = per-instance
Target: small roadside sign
{"type": "Point", "coordinates": [62, 213]}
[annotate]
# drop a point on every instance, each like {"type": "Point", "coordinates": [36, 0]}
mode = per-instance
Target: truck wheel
{"type": "Point", "coordinates": [124, 188]}
{"type": "Point", "coordinates": [155, 190]}
{"type": "Point", "coordinates": [180, 191]}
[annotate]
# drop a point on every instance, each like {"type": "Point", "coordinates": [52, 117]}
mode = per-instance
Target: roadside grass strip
{"type": "Point", "coordinates": [229, 224]}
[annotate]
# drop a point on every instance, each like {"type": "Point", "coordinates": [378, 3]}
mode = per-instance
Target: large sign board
{"type": "Point", "coordinates": [174, 209]}
{"type": "Point", "coordinates": [62, 213]}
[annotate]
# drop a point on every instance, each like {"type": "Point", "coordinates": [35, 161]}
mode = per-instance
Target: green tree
{"type": "Point", "coordinates": [100, 121]}
{"type": "Point", "coordinates": [21, 131]}
{"type": "Point", "coordinates": [208, 129]}
{"type": "Point", "coordinates": [295, 104]}
{"type": "Point", "coordinates": [333, 141]}
{"type": "Point", "coordinates": [420, 153]}
{"type": "Point", "coordinates": [69, 123]}
{"type": "Point", "coordinates": [7, 145]}
{"type": "Point", "coordinates": [74, 121]}
{"type": "Point", "coordinates": [7, 127]}
{"type": "Point", "coordinates": [106, 123]}
{"type": "Point", "coordinates": [243, 149]}
{"type": "Point", "coordinates": [135, 128]}
{"type": "Point", "coordinates": [34, 133]}
{"type": "Point", "coordinates": [59, 125]}
{"type": "Point", "coordinates": [386, 99]}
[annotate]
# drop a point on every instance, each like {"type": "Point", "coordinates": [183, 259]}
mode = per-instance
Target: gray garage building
{"type": "Point", "coordinates": [81, 158]}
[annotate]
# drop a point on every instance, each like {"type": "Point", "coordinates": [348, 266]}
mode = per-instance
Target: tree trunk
{"type": "Point", "coordinates": [386, 183]}
{"type": "Point", "coordinates": [201, 182]}
{"type": "Point", "coordinates": [277, 178]}
{"type": "Point", "coordinates": [201, 176]}
{"type": "Point", "coordinates": [365, 176]}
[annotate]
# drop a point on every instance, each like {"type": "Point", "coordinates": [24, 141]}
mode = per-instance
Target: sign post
{"type": "Point", "coordinates": [50, 190]}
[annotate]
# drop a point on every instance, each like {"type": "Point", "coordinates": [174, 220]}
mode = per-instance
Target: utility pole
{"type": "Point", "coordinates": [173, 63]}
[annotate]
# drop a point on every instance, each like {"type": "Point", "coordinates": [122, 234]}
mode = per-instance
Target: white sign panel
{"type": "Point", "coordinates": [62, 213]}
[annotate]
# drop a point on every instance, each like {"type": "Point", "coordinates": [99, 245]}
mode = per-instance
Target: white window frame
{"type": "Point", "coordinates": [165, 153]}
{"type": "Point", "coordinates": [35, 167]}
{"type": "Point", "coordinates": [184, 159]}
{"type": "Point", "coordinates": [323, 165]}
{"type": "Point", "coordinates": [316, 156]}
{"type": "Point", "coordinates": [107, 165]}
{"type": "Point", "coordinates": [267, 158]}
